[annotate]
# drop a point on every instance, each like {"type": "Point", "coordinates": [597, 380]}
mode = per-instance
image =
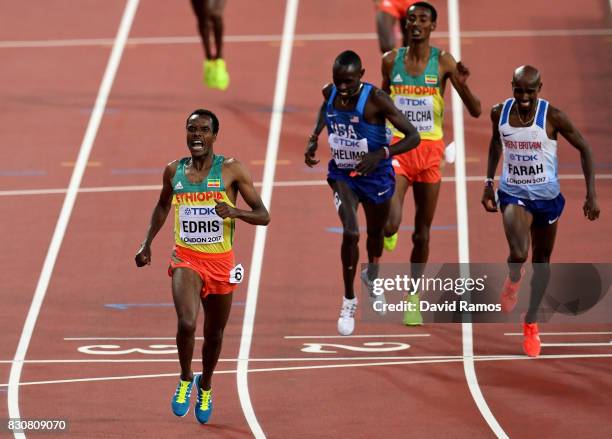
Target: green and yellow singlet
{"type": "Point", "coordinates": [196, 224]}
{"type": "Point", "coordinates": [418, 97]}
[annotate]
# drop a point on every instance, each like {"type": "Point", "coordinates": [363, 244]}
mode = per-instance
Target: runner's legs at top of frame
{"type": "Point", "coordinates": [209, 14]}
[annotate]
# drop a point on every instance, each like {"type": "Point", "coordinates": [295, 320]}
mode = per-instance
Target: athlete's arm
{"type": "Point", "coordinates": [390, 112]}
{"type": "Point", "coordinates": [564, 126]}
{"type": "Point", "coordinates": [495, 151]}
{"type": "Point", "coordinates": [158, 218]}
{"type": "Point", "coordinates": [387, 110]}
{"type": "Point", "coordinates": [459, 73]}
{"type": "Point", "coordinates": [258, 215]}
{"type": "Point", "coordinates": [311, 147]}
{"type": "Point", "coordinates": [387, 66]}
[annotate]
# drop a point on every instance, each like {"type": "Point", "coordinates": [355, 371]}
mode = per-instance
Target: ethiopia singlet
{"type": "Point", "coordinates": [530, 157]}
{"type": "Point", "coordinates": [196, 224]}
{"type": "Point", "coordinates": [418, 97]}
{"type": "Point", "coordinates": [350, 136]}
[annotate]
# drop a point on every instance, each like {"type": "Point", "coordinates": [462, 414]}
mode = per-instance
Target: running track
{"type": "Point", "coordinates": [54, 60]}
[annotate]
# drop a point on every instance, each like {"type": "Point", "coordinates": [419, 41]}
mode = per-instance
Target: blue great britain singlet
{"type": "Point", "coordinates": [196, 223]}
{"type": "Point", "coordinates": [530, 157]}
{"type": "Point", "coordinates": [350, 136]}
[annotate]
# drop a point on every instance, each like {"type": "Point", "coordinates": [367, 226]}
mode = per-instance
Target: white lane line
{"type": "Point", "coordinates": [565, 333]}
{"type": "Point", "coordinates": [122, 338]}
{"type": "Point", "coordinates": [462, 227]}
{"type": "Point", "coordinates": [69, 200]}
{"type": "Point", "coordinates": [577, 344]}
{"type": "Point", "coordinates": [355, 336]}
{"type": "Point", "coordinates": [276, 121]}
{"type": "Point", "coordinates": [286, 336]}
{"type": "Point", "coordinates": [79, 42]}
{"type": "Point", "coordinates": [277, 184]}
{"type": "Point", "coordinates": [435, 360]}
{"type": "Point", "coordinates": [233, 360]}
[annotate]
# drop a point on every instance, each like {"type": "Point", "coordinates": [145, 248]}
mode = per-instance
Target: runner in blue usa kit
{"type": "Point", "coordinates": [360, 170]}
{"type": "Point", "coordinates": [525, 131]}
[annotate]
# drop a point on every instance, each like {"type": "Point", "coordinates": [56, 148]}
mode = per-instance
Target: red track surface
{"type": "Point", "coordinates": [47, 93]}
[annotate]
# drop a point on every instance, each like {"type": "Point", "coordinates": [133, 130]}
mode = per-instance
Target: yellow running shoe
{"type": "Point", "coordinates": [209, 76]}
{"type": "Point", "coordinates": [390, 242]}
{"type": "Point", "coordinates": [412, 315]}
{"type": "Point", "coordinates": [222, 77]}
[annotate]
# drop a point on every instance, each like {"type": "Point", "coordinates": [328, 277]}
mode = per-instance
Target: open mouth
{"type": "Point", "coordinates": [197, 145]}
{"type": "Point", "coordinates": [525, 104]}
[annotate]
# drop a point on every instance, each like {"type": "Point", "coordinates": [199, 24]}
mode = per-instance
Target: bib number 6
{"type": "Point", "coordinates": [237, 274]}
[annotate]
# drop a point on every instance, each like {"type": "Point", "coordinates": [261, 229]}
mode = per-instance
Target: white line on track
{"type": "Point", "coordinates": [277, 184]}
{"type": "Point", "coordinates": [233, 360]}
{"type": "Point", "coordinates": [565, 333]}
{"type": "Point", "coordinates": [462, 227]}
{"type": "Point", "coordinates": [286, 336]}
{"type": "Point", "coordinates": [122, 338]}
{"type": "Point", "coordinates": [516, 33]}
{"type": "Point", "coordinates": [355, 336]}
{"type": "Point", "coordinates": [331, 366]}
{"type": "Point", "coordinates": [69, 200]}
{"type": "Point", "coordinates": [577, 344]}
{"type": "Point", "coordinates": [276, 121]}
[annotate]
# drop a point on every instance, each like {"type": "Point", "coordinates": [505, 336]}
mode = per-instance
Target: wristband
{"type": "Point", "coordinates": [387, 153]}
{"type": "Point", "coordinates": [489, 182]}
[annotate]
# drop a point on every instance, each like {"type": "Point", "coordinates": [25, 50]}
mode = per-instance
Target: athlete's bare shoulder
{"type": "Point", "coordinates": [496, 112]}
{"type": "Point", "coordinates": [389, 57]}
{"type": "Point", "coordinates": [170, 168]}
{"type": "Point", "coordinates": [379, 95]}
{"type": "Point", "coordinates": [559, 120]}
{"type": "Point", "coordinates": [555, 114]}
{"type": "Point", "coordinates": [233, 167]}
{"type": "Point", "coordinates": [327, 88]}
{"type": "Point", "coordinates": [231, 163]}
{"type": "Point", "coordinates": [447, 62]}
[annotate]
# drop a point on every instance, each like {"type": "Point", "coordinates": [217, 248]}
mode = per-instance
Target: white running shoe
{"type": "Point", "coordinates": [378, 300]}
{"type": "Point", "coordinates": [450, 152]}
{"type": "Point", "coordinates": [346, 322]}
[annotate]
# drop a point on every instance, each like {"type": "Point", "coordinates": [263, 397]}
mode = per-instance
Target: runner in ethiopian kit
{"type": "Point", "coordinates": [525, 130]}
{"type": "Point", "coordinates": [203, 189]}
{"type": "Point", "coordinates": [415, 77]}
{"type": "Point", "coordinates": [360, 169]}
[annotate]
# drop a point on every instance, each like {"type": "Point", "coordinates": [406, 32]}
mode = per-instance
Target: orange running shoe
{"type": "Point", "coordinates": [509, 295]}
{"type": "Point", "coordinates": [531, 340]}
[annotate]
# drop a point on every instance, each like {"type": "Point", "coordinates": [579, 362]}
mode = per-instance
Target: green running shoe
{"type": "Point", "coordinates": [413, 317]}
{"type": "Point", "coordinates": [209, 75]}
{"type": "Point", "coordinates": [390, 242]}
{"type": "Point", "coordinates": [222, 77]}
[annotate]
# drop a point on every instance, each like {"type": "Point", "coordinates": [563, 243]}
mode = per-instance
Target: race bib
{"type": "Point", "coordinates": [418, 110]}
{"type": "Point", "coordinates": [237, 274]}
{"type": "Point", "coordinates": [347, 152]}
{"type": "Point", "coordinates": [525, 167]}
{"type": "Point", "coordinates": [200, 225]}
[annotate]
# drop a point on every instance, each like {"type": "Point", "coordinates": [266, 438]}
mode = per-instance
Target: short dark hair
{"type": "Point", "coordinates": [432, 10]}
{"type": "Point", "coordinates": [348, 58]}
{"type": "Point", "coordinates": [203, 112]}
